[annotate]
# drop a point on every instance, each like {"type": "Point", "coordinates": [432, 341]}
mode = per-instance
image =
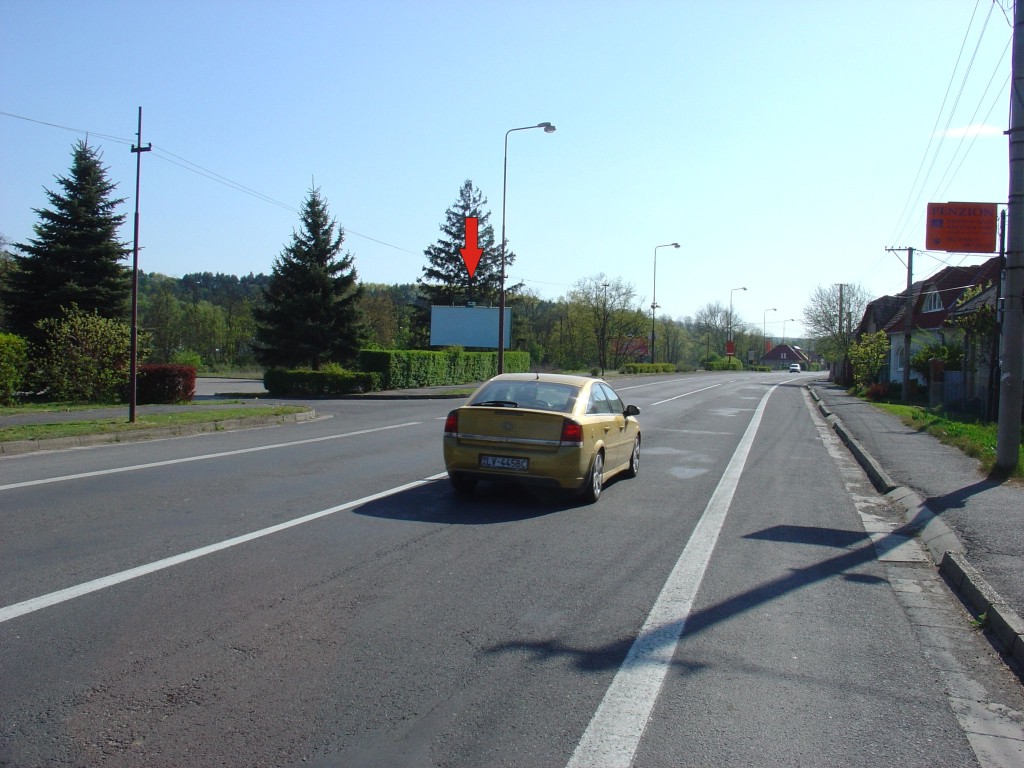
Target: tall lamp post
{"type": "Point", "coordinates": [548, 128]}
{"type": "Point", "coordinates": [730, 318]}
{"type": "Point", "coordinates": [654, 291]}
{"type": "Point", "coordinates": [764, 331]}
{"type": "Point", "coordinates": [788, 320]}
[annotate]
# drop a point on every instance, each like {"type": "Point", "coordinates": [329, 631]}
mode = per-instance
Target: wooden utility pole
{"type": "Point", "coordinates": [1012, 350]}
{"type": "Point", "coordinates": [134, 364]}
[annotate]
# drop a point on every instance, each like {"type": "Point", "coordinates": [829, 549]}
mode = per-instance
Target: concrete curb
{"type": "Point", "coordinates": [1000, 619]}
{"type": "Point", "coordinates": [17, 447]}
{"type": "Point", "coordinates": [944, 546]}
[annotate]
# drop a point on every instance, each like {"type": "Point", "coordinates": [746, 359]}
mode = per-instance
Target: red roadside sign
{"type": "Point", "coordinates": [961, 227]}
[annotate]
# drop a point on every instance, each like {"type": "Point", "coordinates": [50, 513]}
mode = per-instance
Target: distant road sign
{"type": "Point", "coordinates": [961, 227]}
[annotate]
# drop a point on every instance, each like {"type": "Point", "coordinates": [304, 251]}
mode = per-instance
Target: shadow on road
{"type": "Point", "coordinates": [491, 504]}
{"type": "Point", "coordinates": [857, 550]}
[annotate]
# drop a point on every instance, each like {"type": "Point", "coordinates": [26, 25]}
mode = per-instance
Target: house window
{"type": "Point", "coordinates": [932, 302]}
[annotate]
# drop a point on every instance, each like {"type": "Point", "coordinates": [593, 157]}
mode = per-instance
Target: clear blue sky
{"type": "Point", "coordinates": [784, 143]}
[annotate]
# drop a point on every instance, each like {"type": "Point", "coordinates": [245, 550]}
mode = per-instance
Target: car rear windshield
{"type": "Point", "coordinates": [543, 395]}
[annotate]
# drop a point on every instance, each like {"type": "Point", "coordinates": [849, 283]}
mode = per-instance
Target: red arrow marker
{"type": "Point", "coordinates": [472, 252]}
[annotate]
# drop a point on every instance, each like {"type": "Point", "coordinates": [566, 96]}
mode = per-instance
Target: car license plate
{"type": "Point", "coordinates": [511, 463]}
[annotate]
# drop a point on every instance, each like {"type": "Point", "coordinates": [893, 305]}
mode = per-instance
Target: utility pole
{"type": "Point", "coordinates": [908, 310]}
{"type": "Point", "coordinates": [992, 406]}
{"type": "Point", "coordinates": [134, 364]}
{"type": "Point", "coordinates": [1012, 368]}
{"type": "Point", "coordinates": [842, 347]}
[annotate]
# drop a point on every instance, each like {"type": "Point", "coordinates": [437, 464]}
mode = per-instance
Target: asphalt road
{"type": "Point", "coordinates": [315, 594]}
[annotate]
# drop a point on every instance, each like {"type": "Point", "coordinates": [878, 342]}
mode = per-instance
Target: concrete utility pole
{"type": "Point", "coordinates": [1012, 368]}
{"type": "Point", "coordinates": [134, 363]}
{"type": "Point", "coordinates": [838, 375]}
{"type": "Point", "coordinates": [908, 311]}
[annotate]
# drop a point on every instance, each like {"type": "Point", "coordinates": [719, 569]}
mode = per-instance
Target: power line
{"type": "Point", "coordinates": [188, 165]}
{"type": "Point", "coordinates": [949, 86]}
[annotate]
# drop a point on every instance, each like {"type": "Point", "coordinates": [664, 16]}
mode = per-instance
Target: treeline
{"type": "Point", "coordinates": [207, 319]}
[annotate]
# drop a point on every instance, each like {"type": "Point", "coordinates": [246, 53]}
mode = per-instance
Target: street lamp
{"type": "Point", "coordinates": [548, 128]}
{"type": "Point", "coordinates": [730, 317]}
{"type": "Point", "coordinates": [764, 330]}
{"type": "Point", "coordinates": [787, 320]}
{"type": "Point", "coordinates": [654, 291]}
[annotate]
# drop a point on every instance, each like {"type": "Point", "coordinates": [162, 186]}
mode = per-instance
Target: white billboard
{"type": "Point", "coordinates": [468, 327]}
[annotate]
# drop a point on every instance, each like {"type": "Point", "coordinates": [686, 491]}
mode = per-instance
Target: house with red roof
{"type": "Point", "coordinates": [932, 302]}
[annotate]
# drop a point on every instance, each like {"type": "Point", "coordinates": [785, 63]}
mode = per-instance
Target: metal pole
{"type": "Point", "coordinates": [1012, 367]}
{"type": "Point", "coordinates": [764, 331]}
{"type": "Point", "coordinates": [548, 128]}
{"type": "Point", "coordinates": [654, 291]}
{"type": "Point", "coordinates": [654, 298]}
{"type": "Point", "coordinates": [787, 320]}
{"type": "Point", "coordinates": [730, 318]}
{"type": "Point", "coordinates": [134, 354]}
{"type": "Point", "coordinates": [501, 299]}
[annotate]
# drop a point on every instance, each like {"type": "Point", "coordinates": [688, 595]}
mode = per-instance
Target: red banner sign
{"type": "Point", "coordinates": [961, 227]}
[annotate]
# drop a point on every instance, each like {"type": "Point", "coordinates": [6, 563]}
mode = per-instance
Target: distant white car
{"type": "Point", "coordinates": [795, 368]}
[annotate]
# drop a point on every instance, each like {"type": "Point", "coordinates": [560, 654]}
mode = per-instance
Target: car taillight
{"type": "Point", "coordinates": [572, 432]}
{"type": "Point", "coordinates": [451, 424]}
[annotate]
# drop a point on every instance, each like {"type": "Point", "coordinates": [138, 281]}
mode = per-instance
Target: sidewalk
{"type": "Point", "coordinates": [973, 527]}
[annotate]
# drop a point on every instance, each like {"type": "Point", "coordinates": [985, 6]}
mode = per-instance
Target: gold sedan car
{"type": "Point", "coordinates": [569, 432]}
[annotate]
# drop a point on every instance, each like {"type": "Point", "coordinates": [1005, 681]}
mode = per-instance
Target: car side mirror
{"type": "Point", "coordinates": [632, 410]}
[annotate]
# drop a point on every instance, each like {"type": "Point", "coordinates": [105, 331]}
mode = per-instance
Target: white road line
{"type": "Point", "coordinates": [686, 394]}
{"type": "Point", "coordinates": [204, 457]}
{"type": "Point", "coordinates": [45, 601]}
{"type": "Point", "coordinates": [614, 733]}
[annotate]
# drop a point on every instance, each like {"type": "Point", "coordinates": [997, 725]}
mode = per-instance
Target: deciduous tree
{"type": "Point", "coordinates": [867, 357]}
{"type": "Point", "coordinates": [830, 321]}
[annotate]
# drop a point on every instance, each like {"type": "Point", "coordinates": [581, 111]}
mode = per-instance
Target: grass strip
{"type": "Point", "coordinates": [976, 439]}
{"type": "Point", "coordinates": [142, 421]}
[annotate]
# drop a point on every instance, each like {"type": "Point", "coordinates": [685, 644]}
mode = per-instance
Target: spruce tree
{"type": "Point", "coordinates": [310, 313]}
{"type": "Point", "coordinates": [445, 280]}
{"type": "Point", "coordinates": [75, 257]}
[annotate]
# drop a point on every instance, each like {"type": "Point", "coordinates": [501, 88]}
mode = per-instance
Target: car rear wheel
{"type": "Point", "coordinates": [634, 460]}
{"type": "Point", "coordinates": [464, 486]}
{"type": "Point", "coordinates": [595, 482]}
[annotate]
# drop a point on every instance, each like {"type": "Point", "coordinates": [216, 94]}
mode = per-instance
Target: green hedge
{"type": "Point", "coordinates": [13, 366]}
{"type": "Point", "coordinates": [327, 383]}
{"type": "Point", "coordinates": [648, 368]}
{"type": "Point", "coordinates": [732, 364]}
{"type": "Point", "coordinates": [410, 369]}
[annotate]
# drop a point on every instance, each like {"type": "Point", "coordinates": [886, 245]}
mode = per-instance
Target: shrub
{"type": "Point", "coordinates": [402, 369]}
{"type": "Point", "coordinates": [920, 362]}
{"type": "Point", "coordinates": [85, 357]}
{"type": "Point", "coordinates": [727, 364]}
{"type": "Point", "coordinates": [867, 356]}
{"type": "Point", "coordinates": [187, 357]}
{"type": "Point", "coordinates": [632, 368]}
{"type": "Point", "coordinates": [877, 392]}
{"type": "Point", "coordinates": [333, 381]}
{"type": "Point", "coordinates": [13, 366]}
{"type": "Point", "coordinates": [165, 384]}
